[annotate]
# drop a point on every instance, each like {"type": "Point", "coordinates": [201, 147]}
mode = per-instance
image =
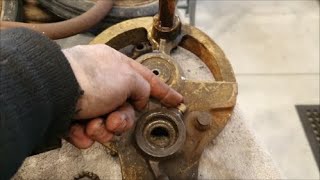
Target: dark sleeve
{"type": "Point", "coordinates": [38, 93]}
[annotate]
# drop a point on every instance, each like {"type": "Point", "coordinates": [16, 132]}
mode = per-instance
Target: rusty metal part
{"type": "Point", "coordinates": [202, 120]}
{"type": "Point", "coordinates": [166, 25]}
{"type": "Point", "coordinates": [158, 174]}
{"type": "Point", "coordinates": [160, 129]}
{"type": "Point", "coordinates": [69, 27]}
{"type": "Point", "coordinates": [168, 33]}
{"type": "Point", "coordinates": [164, 67]}
{"type": "Point", "coordinates": [140, 49]}
{"type": "Point", "coordinates": [209, 103]}
{"type": "Point", "coordinates": [167, 13]}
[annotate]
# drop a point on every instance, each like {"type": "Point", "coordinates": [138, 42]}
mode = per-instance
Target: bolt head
{"type": "Point", "coordinates": [203, 121]}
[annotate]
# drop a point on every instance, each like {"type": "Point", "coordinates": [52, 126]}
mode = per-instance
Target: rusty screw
{"type": "Point", "coordinates": [203, 121]}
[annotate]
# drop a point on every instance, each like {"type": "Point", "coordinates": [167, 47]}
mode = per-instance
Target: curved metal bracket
{"type": "Point", "coordinates": [210, 103]}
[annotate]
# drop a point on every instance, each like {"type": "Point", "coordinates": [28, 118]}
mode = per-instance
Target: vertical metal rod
{"type": "Point", "coordinates": [192, 11]}
{"type": "Point", "coordinates": [167, 12]}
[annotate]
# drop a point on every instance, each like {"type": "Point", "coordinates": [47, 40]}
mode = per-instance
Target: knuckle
{"type": "Point", "coordinates": [84, 145]}
{"type": "Point", "coordinates": [130, 78]}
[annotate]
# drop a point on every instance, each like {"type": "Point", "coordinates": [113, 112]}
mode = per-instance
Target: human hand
{"type": "Point", "coordinates": [113, 84]}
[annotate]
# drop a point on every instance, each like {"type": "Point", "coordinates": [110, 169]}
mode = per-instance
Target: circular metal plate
{"type": "Point", "coordinates": [162, 66]}
{"type": "Point", "coordinates": [207, 83]}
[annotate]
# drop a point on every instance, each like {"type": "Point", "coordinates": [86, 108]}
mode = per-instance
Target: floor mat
{"type": "Point", "coordinates": [309, 116]}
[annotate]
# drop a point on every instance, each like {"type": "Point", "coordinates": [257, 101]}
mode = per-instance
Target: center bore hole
{"type": "Point", "coordinates": [160, 137]}
{"type": "Point", "coordinates": [160, 132]}
{"type": "Point", "coordinates": [156, 72]}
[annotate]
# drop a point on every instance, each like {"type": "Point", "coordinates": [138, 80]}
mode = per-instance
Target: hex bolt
{"type": "Point", "coordinates": [203, 121]}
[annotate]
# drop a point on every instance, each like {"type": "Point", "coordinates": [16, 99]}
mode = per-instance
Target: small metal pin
{"type": "Point", "coordinates": [182, 108]}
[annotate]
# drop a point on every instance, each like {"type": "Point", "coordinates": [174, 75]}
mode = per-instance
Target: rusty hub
{"type": "Point", "coordinates": [160, 132]}
{"type": "Point", "coordinates": [168, 143]}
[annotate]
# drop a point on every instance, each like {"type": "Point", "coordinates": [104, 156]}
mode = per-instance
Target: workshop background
{"type": "Point", "coordinates": [273, 46]}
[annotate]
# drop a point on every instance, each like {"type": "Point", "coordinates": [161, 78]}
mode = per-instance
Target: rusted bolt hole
{"type": "Point", "coordinates": [140, 47]}
{"type": "Point", "coordinates": [160, 136]}
{"type": "Point", "coordinates": [156, 72]}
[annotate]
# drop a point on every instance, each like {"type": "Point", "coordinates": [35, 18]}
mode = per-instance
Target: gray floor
{"type": "Point", "coordinates": [274, 49]}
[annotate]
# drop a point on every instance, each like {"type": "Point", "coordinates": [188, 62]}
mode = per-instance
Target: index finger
{"type": "Point", "coordinates": [159, 89]}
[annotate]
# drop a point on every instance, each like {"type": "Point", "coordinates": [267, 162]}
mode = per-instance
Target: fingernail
{"type": "Point", "coordinates": [99, 129]}
{"type": "Point", "coordinates": [122, 123]}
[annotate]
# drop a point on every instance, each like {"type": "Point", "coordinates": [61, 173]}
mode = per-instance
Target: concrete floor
{"type": "Point", "coordinates": [274, 49]}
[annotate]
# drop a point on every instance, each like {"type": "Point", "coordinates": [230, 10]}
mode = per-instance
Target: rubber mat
{"type": "Point", "coordinates": [310, 118]}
